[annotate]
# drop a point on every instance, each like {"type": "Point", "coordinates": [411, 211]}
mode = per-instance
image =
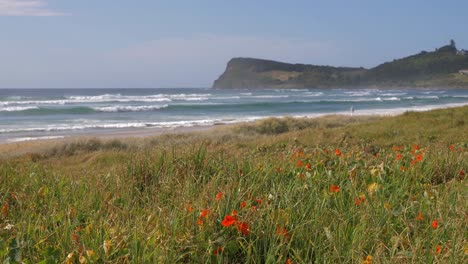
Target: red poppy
{"type": "Point", "coordinates": [419, 217]}
{"type": "Point", "coordinates": [398, 156]}
{"type": "Point", "coordinates": [289, 261]}
{"type": "Point", "coordinates": [299, 164]}
{"type": "Point", "coordinates": [308, 166]}
{"type": "Point", "coordinates": [452, 147]}
{"type": "Point", "coordinates": [228, 221]}
{"type": "Point", "coordinates": [282, 231]}
{"type": "Point", "coordinates": [243, 204]}
{"type": "Point", "coordinates": [402, 168]}
{"type": "Point", "coordinates": [334, 188]}
{"type": "Point", "coordinates": [243, 227]}
{"type": "Point", "coordinates": [361, 199]}
{"type": "Point", "coordinates": [199, 221]}
{"type": "Point", "coordinates": [218, 196]}
{"type": "Point", "coordinates": [337, 152]}
{"type": "Point", "coordinates": [204, 212]}
{"type": "Point", "coordinates": [434, 224]}
{"type": "Point", "coordinates": [438, 249]}
{"type": "Point", "coordinates": [258, 201]}
{"type": "Point", "coordinates": [217, 251]}
{"type": "Point", "coordinates": [189, 208]}
{"type": "Point", "coordinates": [415, 147]}
{"type": "Point", "coordinates": [419, 157]}
{"type": "Point", "coordinates": [461, 173]}
{"type": "Point", "coordinates": [234, 213]}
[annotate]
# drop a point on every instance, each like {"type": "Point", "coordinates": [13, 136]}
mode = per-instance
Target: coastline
{"type": "Point", "coordinates": [28, 144]}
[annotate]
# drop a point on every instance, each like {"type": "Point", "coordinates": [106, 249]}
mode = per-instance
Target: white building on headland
{"type": "Point", "coordinates": [462, 52]}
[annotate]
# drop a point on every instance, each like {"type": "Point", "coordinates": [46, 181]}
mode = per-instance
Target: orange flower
{"type": "Point", "coordinates": [419, 217]}
{"type": "Point", "coordinates": [337, 152]}
{"type": "Point", "coordinates": [189, 208]}
{"type": "Point", "coordinates": [218, 250]}
{"type": "Point", "coordinates": [204, 212]}
{"type": "Point", "coordinates": [5, 209]}
{"type": "Point", "coordinates": [234, 213]}
{"type": "Point", "coordinates": [243, 227]}
{"type": "Point", "coordinates": [434, 224]}
{"type": "Point", "coordinates": [282, 231]}
{"type": "Point", "coordinates": [218, 196]}
{"type": "Point", "coordinates": [334, 188]}
{"type": "Point", "coordinates": [361, 199]}
{"type": "Point", "coordinates": [308, 166]}
{"type": "Point", "coordinates": [289, 261]}
{"type": "Point", "coordinates": [438, 249]}
{"type": "Point", "coordinates": [243, 204]}
{"type": "Point", "coordinates": [415, 147]}
{"type": "Point", "coordinates": [199, 221]}
{"type": "Point", "coordinates": [228, 221]}
{"type": "Point", "coordinates": [398, 156]}
{"type": "Point", "coordinates": [419, 157]}
{"type": "Point", "coordinates": [299, 164]}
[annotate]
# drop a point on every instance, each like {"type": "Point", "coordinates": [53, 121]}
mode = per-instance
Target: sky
{"type": "Point", "coordinates": [187, 43]}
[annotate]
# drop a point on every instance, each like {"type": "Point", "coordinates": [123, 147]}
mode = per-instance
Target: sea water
{"type": "Point", "coordinates": [28, 114]}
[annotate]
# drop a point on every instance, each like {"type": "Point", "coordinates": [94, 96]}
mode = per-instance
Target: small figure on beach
{"type": "Point", "coordinates": [352, 110]}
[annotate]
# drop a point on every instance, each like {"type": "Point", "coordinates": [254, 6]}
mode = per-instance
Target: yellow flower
{"type": "Point", "coordinates": [372, 188]}
{"type": "Point", "coordinates": [107, 246]}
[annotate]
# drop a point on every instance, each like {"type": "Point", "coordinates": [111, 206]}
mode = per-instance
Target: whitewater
{"type": "Point", "coordinates": [28, 114]}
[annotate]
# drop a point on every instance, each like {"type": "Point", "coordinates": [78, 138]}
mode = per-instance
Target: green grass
{"type": "Point", "coordinates": [140, 201]}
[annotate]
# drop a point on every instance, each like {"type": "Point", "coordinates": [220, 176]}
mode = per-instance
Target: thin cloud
{"type": "Point", "coordinates": [26, 8]}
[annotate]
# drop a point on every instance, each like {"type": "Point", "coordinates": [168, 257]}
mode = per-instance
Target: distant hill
{"type": "Point", "coordinates": [445, 67]}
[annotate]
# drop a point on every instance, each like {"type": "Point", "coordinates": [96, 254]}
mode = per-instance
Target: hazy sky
{"type": "Point", "coordinates": [186, 43]}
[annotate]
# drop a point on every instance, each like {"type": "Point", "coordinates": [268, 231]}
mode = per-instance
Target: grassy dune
{"type": "Point", "coordinates": [327, 190]}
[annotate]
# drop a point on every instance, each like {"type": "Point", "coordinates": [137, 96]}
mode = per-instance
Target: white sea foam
{"type": "Point", "coordinates": [126, 108]}
{"type": "Point", "coordinates": [16, 108]}
{"type": "Point", "coordinates": [22, 139]}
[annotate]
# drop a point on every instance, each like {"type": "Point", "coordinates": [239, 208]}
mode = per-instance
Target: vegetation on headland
{"type": "Point", "coordinates": [443, 67]}
{"type": "Point", "coordinates": [333, 190]}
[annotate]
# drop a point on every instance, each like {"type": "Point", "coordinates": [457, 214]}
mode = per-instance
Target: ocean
{"type": "Point", "coordinates": [29, 114]}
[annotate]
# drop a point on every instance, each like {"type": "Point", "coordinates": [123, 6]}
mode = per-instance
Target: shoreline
{"type": "Point", "coordinates": [135, 133]}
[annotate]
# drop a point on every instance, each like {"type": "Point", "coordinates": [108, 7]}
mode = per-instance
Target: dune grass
{"type": "Point", "coordinates": [328, 190]}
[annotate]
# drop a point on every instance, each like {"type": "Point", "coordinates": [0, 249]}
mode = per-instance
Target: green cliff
{"type": "Point", "coordinates": [444, 67]}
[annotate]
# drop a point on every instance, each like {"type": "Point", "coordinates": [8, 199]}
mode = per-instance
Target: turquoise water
{"type": "Point", "coordinates": [27, 114]}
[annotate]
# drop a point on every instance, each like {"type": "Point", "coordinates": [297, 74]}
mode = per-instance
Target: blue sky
{"type": "Point", "coordinates": [151, 43]}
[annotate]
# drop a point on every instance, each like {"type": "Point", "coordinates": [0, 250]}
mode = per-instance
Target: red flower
{"type": "Point", "coordinates": [308, 166]}
{"type": "Point", "coordinates": [402, 168]}
{"type": "Point", "coordinates": [218, 196]}
{"type": "Point", "coordinates": [337, 152]}
{"type": "Point", "coordinates": [452, 147]}
{"type": "Point", "coordinates": [334, 188]}
{"type": "Point", "coordinates": [204, 212]}
{"type": "Point", "coordinates": [419, 157]}
{"type": "Point", "coordinates": [189, 208]}
{"type": "Point", "coordinates": [5, 209]}
{"type": "Point", "coordinates": [218, 250]}
{"type": "Point", "coordinates": [199, 221]}
{"type": "Point", "coordinates": [282, 231]}
{"type": "Point", "coordinates": [258, 201]}
{"type": "Point", "coordinates": [461, 173]}
{"type": "Point", "coordinates": [438, 249]}
{"type": "Point", "coordinates": [419, 217]}
{"type": "Point", "coordinates": [361, 199]}
{"type": "Point", "coordinates": [434, 224]}
{"type": "Point", "coordinates": [398, 156]}
{"type": "Point", "coordinates": [234, 213]}
{"type": "Point", "coordinates": [228, 221]}
{"type": "Point", "coordinates": [243, 227]}
{"type": "Point", "coordinates": [415, 147]}
{"type": "Point", "coordinates": [243, 204]}
{"type": "Point", "coordinates": [289, 261]}
{"type": "Point", "coordinates": [299, 164]}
